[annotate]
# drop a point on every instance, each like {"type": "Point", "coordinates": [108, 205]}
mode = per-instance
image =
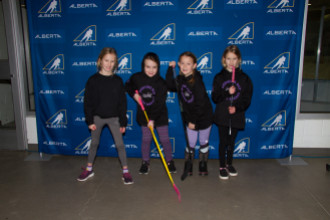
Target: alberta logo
{"type": "Point", "coordinates": [241, 2]}
{"type": "Point", "coordinates": [58, 120]}
{"type": "Point", "coordinates": [275, 147]}
{"type": "Point", "coordinates": [281, 6]}
{"type": "Point", "coordinates": [120, 8]}
{"type": "Point", "coordinates": [275, 123]}
{"type": "Point", "coordinates": [54, 92]}
{"type": "Point", "coordinates": [279, 65]}
{"type": "Point", "coordinates": [52, 9]}
{"type": "Point", "coordinates": [125, 64]}
{"type": "Point", "coordinates": [79, 98]}
{"type": "Point", "coordinates": [83, 147]}
{"type": "Point", "coordinates": [242, 148]}
{"type": "Point", "coordinates": [250, 62]}
{"type": "Point", "coordinates": [280, 33]}
{"type": "Point", "coordinates": [204, 63]}
{"type": "Point", "coordinates": [55, 66]}
{"type": "Point", "coordinates": [79, 119]}
{"type": "Point", "coordinates": [52, 143]}
{"type": "Point", "coordinates": [201, 7]}
{"type": "Point", "coordinates": [244, 35]}
{"type": "Point", "coordinates": [86, 37]}
{"type": "Point", "coordinates": [158, 4]}
{"type": "Point", "coordinates": [166, 36]}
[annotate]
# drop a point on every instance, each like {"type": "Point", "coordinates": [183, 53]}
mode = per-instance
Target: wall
{"type": "Point", "coordinates": [312, 133]}
{"type": "Point", "coordinates": [6, 104]}
{"type": "Point", "coordinates": [31, 125]}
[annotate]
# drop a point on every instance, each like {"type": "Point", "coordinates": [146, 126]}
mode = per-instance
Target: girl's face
{"type": "Point", "coordinates": [187, 65]}
{"type": "Point", "coordinates": [108, 62]}
{"type": "Point", "coordinates": [150, 67]}
{"type": "Point", "coordinates": [231, 60]}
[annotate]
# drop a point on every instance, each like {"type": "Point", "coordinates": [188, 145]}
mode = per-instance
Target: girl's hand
{"type": "Point", "coordinates": [137, 97]}
{"type": "Point", "coordinates": [191, 126]}
{"type": "Point", "coordinates": [92, 127]}
{"type": "Point", "coordinates": [172, 64]}
{"type": "Point", "coordinates": [151, 124]}
{"type": "Point", "coordinates": [232, 90]}
{"type": "Point", "coordinates": [122, 130]}
{"type": "Point", "coordinates": [232, 110]}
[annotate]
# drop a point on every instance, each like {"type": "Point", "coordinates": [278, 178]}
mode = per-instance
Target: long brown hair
{"type": "Point", "coordinates": [193, 57]}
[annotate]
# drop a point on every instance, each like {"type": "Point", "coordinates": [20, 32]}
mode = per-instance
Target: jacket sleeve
{"type": "Point", "coordinates": [245, 101]}
{"type": "Point", "coordinates": [218, 94]}
{"type": "Point", "coordinates": [89, 103]}
{"type": "Point", "coordinates": [170, 81]}
{"type": "Point", "coordinates": [122, 105]}
{"type": "Point", "coordinates": [130, 86]}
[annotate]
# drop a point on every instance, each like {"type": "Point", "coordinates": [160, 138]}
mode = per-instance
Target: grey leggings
{"type": "Point", "coordinates": [114, 126]}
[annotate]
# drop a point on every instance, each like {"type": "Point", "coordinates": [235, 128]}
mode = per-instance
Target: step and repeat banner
{"type": "Point", "coordinates": [67, 36]}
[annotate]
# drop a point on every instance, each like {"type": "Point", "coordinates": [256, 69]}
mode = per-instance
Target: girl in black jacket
{"type": "Point", "coordinates": [153, 93]}
{"type": "Point", "coordinates": [105, 104]}
{"type": "Point", "coordinates": [197, 109]}
{"type": "Point", "coordinates": [232, 96]}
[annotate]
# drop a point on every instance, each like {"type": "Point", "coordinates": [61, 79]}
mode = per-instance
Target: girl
{"type": "Point", "coordinates": [232, 98]}
{"type": "Point", "coordinates": [153, 93]}
{"type": "Point", "coordinates": [197, 109]}
{"type": "Point", "coordinates": [105, 104]}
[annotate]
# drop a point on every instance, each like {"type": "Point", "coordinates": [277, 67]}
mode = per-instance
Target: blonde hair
{"type": "Point", "coordinates": [105, 51]}
{"type": "Point", "coordinates": [233, 49]}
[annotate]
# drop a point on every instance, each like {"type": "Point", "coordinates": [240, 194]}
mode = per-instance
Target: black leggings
{"type": "Point", "coordinates": [227, 145]}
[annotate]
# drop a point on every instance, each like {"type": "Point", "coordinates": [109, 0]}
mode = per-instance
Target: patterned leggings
{"type": "Point", "coordinates": [164, 140]}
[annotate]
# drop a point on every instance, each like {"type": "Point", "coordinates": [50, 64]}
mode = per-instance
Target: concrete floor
{"type": "Point", "coordinates": [263, 189]}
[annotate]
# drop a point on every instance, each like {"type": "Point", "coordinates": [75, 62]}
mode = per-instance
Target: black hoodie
{"type": "Point", "coordinates": [153, 91]}
{"type": "Point", "coordinates": [241, 99]}
{"type": "Point", "coordinates": [196, 105]}
{"type": "Point", "coordinates": [105, 97]}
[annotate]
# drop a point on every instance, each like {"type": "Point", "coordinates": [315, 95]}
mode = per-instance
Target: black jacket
{"type": "Point", "coordinates": [153, 91]}
{"type": "Point", "coordinates": [241, 99]}
{"type": "Point", "coordinates": [196, 105]}
{"type": "Point", "coordinates": [105, 97]}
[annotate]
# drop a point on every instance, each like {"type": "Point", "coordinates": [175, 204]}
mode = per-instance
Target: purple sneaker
{"type": "Point", "coordinates": [127, 178]}
{"type": "Point", "coordinates": [85, 175]}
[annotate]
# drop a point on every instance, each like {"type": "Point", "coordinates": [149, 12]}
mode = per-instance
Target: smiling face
{"type": "Point", "coordinates": [187, 65]}
{"type": "Point", "coordinates": [107, 64]}
{"type": "Point", "coordinates": [150, 67]}
{"type": "Point", "coordinates": [230, 61]}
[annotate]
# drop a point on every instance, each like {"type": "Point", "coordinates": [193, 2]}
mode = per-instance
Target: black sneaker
{"type": "Point", "coordinates": [144, 169]}
{"type": "Point", "coordinates": [203, 168]}
{"type": "Point", "coordinates": [171, 166]}
{"type": "Point", "coordinates": [223, 174]}
{"type": "Point", "coordinates": [231, 170]}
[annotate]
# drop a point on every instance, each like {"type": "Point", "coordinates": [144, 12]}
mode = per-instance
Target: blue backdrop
{"type": "Point", "coordinates": [67, 36]}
